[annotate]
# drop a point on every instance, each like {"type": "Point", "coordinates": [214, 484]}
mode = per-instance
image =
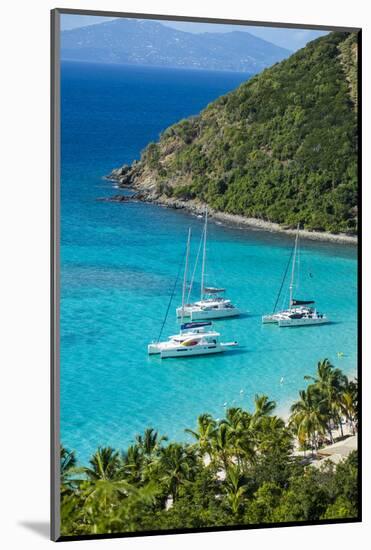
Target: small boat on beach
{"type": "Point", "coordinates": [212, 303]}
{"type": "Point", "coordinates": [299, 312]}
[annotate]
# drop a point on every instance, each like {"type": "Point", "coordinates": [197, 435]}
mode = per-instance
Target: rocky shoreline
{"type": "Point", "coordinates": [146, 191]}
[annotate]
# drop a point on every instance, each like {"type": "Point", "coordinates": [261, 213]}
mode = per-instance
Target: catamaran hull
{"type": "Point", "coordinates": [301, 322]}
{"type": "Point", "coordinates": [269, 319]}
{"type": "Point", "coordinates": [185, 313]}
{"type": "Point", "coordinates": [203, 314]}
{"type": "Point", "coordinates": [189, 352]}
{"type": "Point", "coordinates": [276, 317]}
{"type": "Point", "coordinates": [183, 351]}
{"type": "Point", "coordinates": [195, 312]}
{"type": "Point", "coordinates": [154, 349]}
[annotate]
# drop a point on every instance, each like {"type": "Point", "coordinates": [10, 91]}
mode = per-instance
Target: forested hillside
{"type": "Point", "coordinates": [282, 147]}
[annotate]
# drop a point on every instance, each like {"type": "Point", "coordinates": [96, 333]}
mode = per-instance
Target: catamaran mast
{"type": "Point", "coordinates": [186, 271]}
{"type": "Point", "coordinates": [293, 266]}
{"type": "Point", "coordinates": [204, 257]}
{"type": "Point", "coordinates": [195, 266]}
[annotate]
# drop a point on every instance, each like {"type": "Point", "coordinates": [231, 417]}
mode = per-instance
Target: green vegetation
{"type": "Point", "coordinates": [239, 470]}
{"type": "Point", "coordinates": [349, 60]}
{"type": "Point", "coordinates": [282, 147]}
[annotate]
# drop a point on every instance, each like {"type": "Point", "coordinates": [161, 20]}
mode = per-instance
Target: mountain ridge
{"type": "Point", "coordinates": [144, 42]}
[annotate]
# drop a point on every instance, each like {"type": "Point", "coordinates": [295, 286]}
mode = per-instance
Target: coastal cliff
{"type": "Point", "coordinates": [279, 150]}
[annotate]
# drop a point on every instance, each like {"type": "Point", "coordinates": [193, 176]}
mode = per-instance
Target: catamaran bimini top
{"type": "Point", "coordinates": [213, 290]}
{"type": "Point", "coordinates": [180, 338]}
{"type": "Point", "coordinates": [194, 330]}
{"type": "Point", "coordinates": [187, 326]}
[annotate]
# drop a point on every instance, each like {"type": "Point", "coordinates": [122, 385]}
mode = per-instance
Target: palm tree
{"type": "Point", "coordinates": [104, 487]}
{"type": "Point", "coordinates": [353, 387]}
{"type": "Point", "coordinates": [132, 464]}
{"type": "Point", "coordinates": [138, 460]}
{"type": "Point", "coordinates": [204, 432]}
{"type": "Point", "coordinates": [135, 499]}
{"type": "Point", "coordinates": [233, 417]}
{"type": "Point", "coordinates": [109, 502]}
{"type": "Point", "coordinates": [348, 404]}
{"type": "Point", "coordinates": [68, 463]}
{"type": "Point", "coordinates": [241, 435]}
{"type": "Point", "coordinates": [222, 444]}
{"type": "Point", "coordinates": [272, 436]}
{"type": "Point", "coordinates": [105, 464]}
{"type": "Point", "coordinates": [308, 418]}
{"type": "Point", "coordinates": [330, 383]}
{"type": "Point", "coordinates": [150, 442]}
{"type": "Point", "coordinates": [263, 407]}
{"type": "Point", "coordinates": [177, 464]}
{"type": "Point", "coordinates": [235, 487]}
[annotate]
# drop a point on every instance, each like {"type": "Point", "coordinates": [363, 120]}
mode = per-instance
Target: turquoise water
{"type": "Point", "coordinates": [119, 264]}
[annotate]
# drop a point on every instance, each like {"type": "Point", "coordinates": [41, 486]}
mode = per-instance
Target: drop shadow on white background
{"type": "Point", "coordinates": [41, 528]}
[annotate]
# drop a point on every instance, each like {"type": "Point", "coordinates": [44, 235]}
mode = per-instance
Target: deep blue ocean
{"type": "Point", "coordinates": [119, 262]}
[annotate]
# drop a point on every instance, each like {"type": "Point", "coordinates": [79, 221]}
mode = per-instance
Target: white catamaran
{"type": "Point", "coordinates": [194, 338]}
{"type": "Point", "coordinates": [299, 312]}
{"type": "Point", "coordinates": [212, 305]}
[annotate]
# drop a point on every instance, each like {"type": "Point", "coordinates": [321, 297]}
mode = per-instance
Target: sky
{"type": "Point", "coordinates": [292, 39]}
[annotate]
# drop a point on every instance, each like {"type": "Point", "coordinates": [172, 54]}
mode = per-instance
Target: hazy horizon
{"type": "Point", "coordinates": [291, 39]}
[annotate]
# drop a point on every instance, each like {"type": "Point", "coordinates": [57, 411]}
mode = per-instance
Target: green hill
{"type": "Point", "coordinates": [282, 147]}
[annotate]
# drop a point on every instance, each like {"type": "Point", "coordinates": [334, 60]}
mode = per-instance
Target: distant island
{"type": "Point", "coordinates": [149, 43]}
{"type": "Point", "coordinates": [281, 149]}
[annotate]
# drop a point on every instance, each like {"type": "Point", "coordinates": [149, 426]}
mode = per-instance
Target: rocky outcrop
{"type": "Point", "coordinates": [118, 198]}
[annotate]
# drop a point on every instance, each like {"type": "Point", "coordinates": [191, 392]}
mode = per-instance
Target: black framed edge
{"type": "Point", "coordinates": [359, 274]}
{"type": "Point", "coordinates": [55, 271]}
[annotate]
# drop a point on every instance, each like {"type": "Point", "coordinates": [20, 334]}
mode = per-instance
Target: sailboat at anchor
{"type": "Point", "coordinates": [194, 338]}
{"type": "Point", "coordinates": [212, 303]}
{"type": "Point", "coordinates": [299, 312]}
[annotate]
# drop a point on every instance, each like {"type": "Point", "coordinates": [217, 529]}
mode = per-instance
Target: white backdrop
{"type": "Point", "coordinates": [24, 253]}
